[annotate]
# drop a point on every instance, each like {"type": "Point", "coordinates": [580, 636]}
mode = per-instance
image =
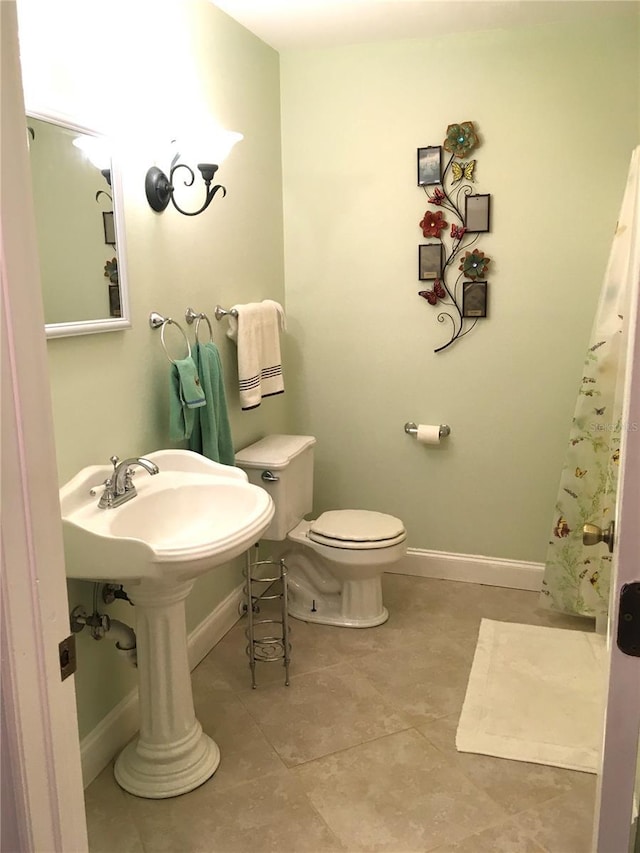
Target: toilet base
{"type": "Point", "coordinates": [336, 619]}
{"type": "Point", "coordinates": [357, 605]}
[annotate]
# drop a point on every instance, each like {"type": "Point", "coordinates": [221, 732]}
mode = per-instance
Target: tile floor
{"type": "Point", "coordinates": [358, 753]}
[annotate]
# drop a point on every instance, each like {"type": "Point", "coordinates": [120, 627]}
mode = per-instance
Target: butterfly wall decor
{"type": "Point", "coordinates": [432, 296]}
{"type": "Point", "coordinates": [462, 170]}
{"type": "Point", "coordinates": [448, 185]}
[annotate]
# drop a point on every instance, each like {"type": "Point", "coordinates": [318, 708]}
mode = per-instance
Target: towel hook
{"type": "Point", "coordinates": [220, 312]}
{"type": "Point", "coordinates": [157, 321]}
{"type": "Point", "coordinates": [190, 315]}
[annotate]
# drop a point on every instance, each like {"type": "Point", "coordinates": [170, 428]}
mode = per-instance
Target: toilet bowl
{"type": "Point", "coordinates": [335, 562]}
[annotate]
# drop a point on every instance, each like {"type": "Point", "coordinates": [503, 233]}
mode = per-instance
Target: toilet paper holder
{"type": "Point", "coordinates": [412, 429]}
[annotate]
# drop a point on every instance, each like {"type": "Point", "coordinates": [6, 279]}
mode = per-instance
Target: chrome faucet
{"type": "Point", "coordinates": [119, 487]}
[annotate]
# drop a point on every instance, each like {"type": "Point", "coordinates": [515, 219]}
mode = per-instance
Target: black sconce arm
{"type": "Point", "coordinates": [207, 171]}
{"type": "Point", "coordinates": [160, 189]}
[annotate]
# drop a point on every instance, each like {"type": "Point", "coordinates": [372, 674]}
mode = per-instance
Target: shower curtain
{"type": "Point", "coordinates": [576, 578]}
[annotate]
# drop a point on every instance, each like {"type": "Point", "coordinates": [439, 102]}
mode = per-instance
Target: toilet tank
{"type": "Point", "coordinates": [290, 459]}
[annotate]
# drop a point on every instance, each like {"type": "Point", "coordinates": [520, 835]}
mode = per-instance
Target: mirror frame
{"type": "Point", "coordinates": [106, 324]}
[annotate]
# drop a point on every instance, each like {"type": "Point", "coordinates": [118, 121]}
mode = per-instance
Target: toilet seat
{"type": "Point", "coordinates": [356, 529]}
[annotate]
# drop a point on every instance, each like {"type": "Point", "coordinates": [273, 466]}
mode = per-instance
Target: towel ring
{"type": "Point", "coordinates": [168, 322]}
{"type": "Point", "coordinates": [204, 317]}
{"type": "Point", "coordinates": [190, 315]}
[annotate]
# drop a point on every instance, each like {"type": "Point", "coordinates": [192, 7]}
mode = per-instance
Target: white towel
{"type": "Point", "coordinates": [256, 331]}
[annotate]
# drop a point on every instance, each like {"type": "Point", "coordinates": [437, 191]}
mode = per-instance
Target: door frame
{"type": "Point", "coordinates": [619, 762]}
{"type": "Point", "coordinates": [40, 747]}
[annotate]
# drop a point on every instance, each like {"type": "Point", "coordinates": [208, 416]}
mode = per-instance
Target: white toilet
{"type": "Point", "coordinates": [336, 562]}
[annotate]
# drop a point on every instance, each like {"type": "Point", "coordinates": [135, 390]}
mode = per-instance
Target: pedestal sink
{"type": "Point", "coordinates": [191, 517]}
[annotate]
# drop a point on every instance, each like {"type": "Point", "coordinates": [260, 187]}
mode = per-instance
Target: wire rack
{"type": "Point", "coordinates": [267, 634]}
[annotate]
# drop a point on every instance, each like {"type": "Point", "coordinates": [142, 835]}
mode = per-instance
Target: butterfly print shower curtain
{"type": "Point", "coordinates": [577, 578]}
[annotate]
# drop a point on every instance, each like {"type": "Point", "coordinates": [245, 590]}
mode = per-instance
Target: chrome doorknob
{"type": "Point", "coordinates": [592, 534]}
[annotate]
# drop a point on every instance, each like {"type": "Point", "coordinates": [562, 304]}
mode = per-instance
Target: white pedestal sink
{"type": "Point", "coordinates": [192, 516]}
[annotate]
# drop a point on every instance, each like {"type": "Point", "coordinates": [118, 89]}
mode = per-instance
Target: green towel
{"type": "Point", "coordinates": [185, 395]}
{"type": "Point", "coordinates": [211, 434]}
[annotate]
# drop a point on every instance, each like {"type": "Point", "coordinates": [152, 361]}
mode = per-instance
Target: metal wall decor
{"type": "Point", "coordinates": [460, 217]}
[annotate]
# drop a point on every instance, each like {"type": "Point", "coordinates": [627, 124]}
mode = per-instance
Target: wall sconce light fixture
{"type": "Point", "coordinates": [160, 188]}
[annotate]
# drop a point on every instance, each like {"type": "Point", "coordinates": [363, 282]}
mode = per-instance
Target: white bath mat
{"type": "Point", "coordinates": [535, 694]}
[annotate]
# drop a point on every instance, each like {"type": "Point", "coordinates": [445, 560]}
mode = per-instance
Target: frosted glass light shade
{"type": "Point", "coordinates": [223, 143]}
{"type": "Point", "coordinates": [210, 147]}
{"type": "Point", "coordinates": [97, 150]}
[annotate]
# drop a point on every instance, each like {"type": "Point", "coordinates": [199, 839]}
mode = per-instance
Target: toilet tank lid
{"type": "Point", "coordinates": [273, 451]}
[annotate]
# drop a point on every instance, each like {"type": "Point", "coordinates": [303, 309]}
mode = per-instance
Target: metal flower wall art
{"type": "Point", "coordinates": [451, 262]}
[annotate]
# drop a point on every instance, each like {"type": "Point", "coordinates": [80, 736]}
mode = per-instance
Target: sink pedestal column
{"type": "Point", "coordinates": [172, 755]}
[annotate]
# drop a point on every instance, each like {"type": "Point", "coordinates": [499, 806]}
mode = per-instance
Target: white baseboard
{"type": "Point", "coordinates": [470, 568]}
{"type": "Point", "coordinates": [111, 734]}
{"type": "Point", "coordinates": [212, 629]}
{"type": "Point", "coordinates": [115, 730]}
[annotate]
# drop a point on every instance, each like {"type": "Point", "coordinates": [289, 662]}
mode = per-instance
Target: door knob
{"type": "Point", "coordinates": [592, 534]}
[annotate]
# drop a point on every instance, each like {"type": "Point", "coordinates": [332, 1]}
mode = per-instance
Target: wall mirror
{"type": "Point", "coordinates": [80, 227]}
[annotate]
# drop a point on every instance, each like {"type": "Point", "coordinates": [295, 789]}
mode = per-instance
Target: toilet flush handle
{"type": "Point", "coordinates": [268, 477]}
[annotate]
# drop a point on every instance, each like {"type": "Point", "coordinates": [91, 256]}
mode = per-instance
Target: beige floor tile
{"type": "Point", "coordinates": [455, 609]}
{"type": "Point", "coordinates": [565, 824]}
{"type": "Point", "coordinates": [245, 753]}
{"type": "Point", "coordinates": [401, 629]}
{"type": "Point", "coordinates": [552, 619]}
{"type": "Point", "coordinates": [457, 599]}
{"type": "Point", "coordinates": [515, 785]}
{"type": "Point", "coordinates": [516, 605]}
{"type": "Point", "coordinates": [397, 794]}
{"type": "Point", "coordinates": [209, 683]}
{"type": "Point", "coordinates": [110, 826]}
{"type": "Point", "coordinates": [321, 712]}
{"type": "Point", "coordinates": [401, 589]}
{"type": "Point", "coordinates": [505, 838]}
{"type": "Point", "coordinates": [446, 609]}
{"type": "Point", "coordinates": [268, 814]}
{"type": "Point", "coordinates": [424, 680]}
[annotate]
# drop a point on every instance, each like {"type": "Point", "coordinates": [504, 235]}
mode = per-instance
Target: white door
{"type": "Point", "coordinates": [616, 781]}
{"type": "Point", "coordinates": [40, 750]}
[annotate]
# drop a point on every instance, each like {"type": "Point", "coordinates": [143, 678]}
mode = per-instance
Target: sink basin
{"type": "Point", "coordinates": [192, 516]}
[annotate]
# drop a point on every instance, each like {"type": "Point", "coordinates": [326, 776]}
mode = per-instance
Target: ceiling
{"type": "Point", "coordinates": [290, 24]}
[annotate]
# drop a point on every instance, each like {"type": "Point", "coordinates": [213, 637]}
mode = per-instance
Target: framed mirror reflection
{"type": "Point", "coordinates": [80, 227]}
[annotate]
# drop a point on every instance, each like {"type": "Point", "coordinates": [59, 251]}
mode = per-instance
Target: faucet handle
{"type": "Point", "coordinates": [92, 490]}
{"type": "Point", "coordinates": [107, 497]}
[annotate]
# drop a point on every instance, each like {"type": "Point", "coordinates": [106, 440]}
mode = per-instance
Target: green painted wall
{"type": "Point", "coordinates": [557, 110]}
{"type": "Point", "coordinates": [110, 390]}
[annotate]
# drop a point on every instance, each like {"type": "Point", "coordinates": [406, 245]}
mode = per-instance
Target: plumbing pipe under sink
{"type": "Point", "coordinates": [125, 639]}
{"type": "Point", "coordinates": [102, 626]}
